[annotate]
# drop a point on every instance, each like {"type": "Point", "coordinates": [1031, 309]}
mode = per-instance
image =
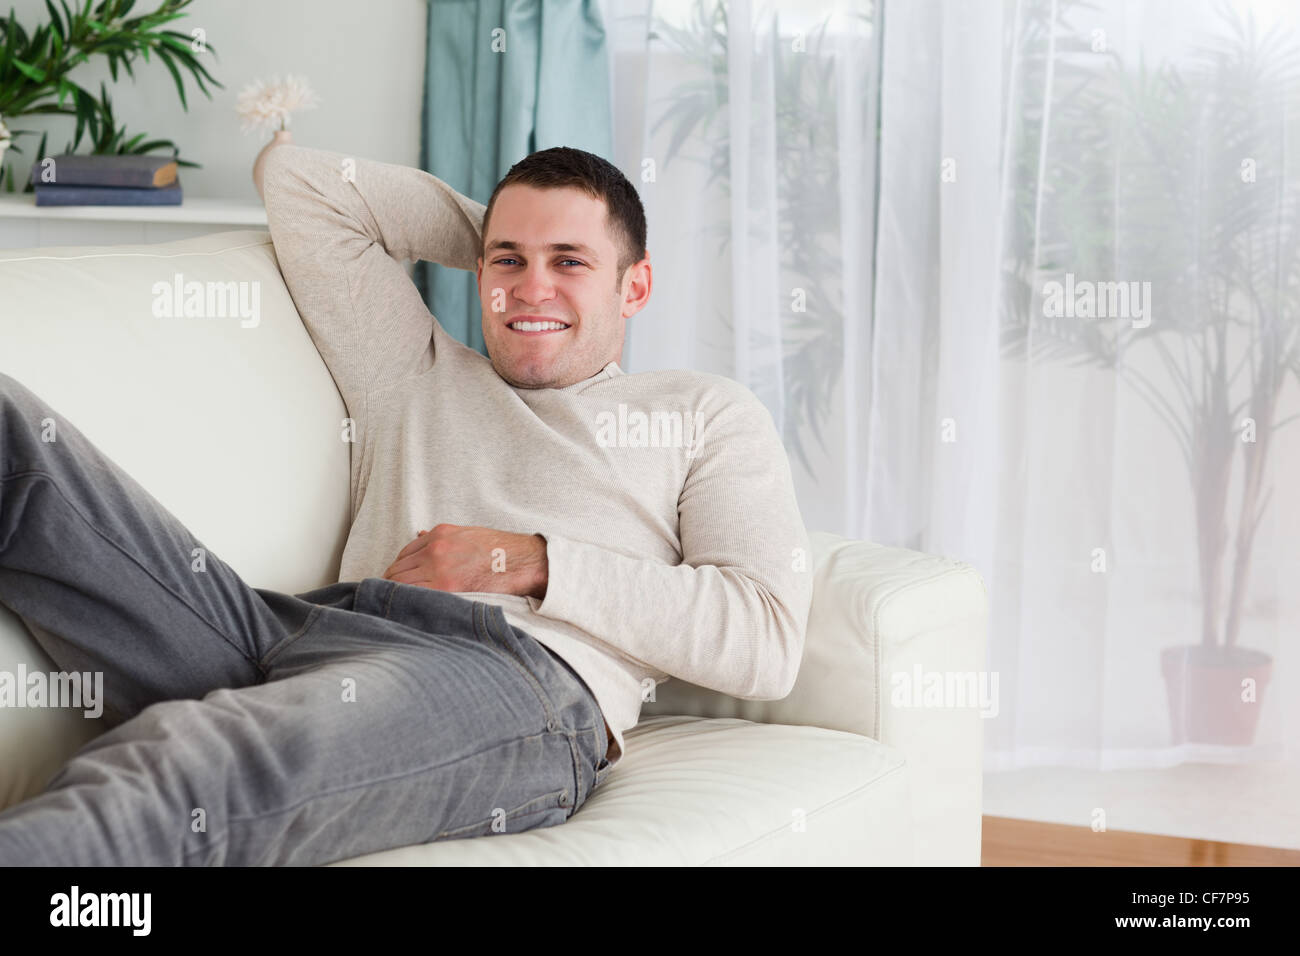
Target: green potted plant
{"type": "Point", "coordinates": [35, 70]}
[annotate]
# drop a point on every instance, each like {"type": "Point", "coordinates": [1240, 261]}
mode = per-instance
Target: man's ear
{"type": "Point", "coordinates": [639, 282]}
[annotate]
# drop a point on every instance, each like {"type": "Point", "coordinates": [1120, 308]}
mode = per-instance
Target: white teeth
{"type": "Point", "coordinates": [537, 326]}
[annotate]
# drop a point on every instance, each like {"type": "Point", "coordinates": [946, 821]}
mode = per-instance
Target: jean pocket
{"type": "Point", "coordinates": [524, 652]}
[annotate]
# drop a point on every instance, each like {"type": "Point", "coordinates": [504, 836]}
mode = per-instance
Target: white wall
{"type": "Point", "coordinates": [365, 60]}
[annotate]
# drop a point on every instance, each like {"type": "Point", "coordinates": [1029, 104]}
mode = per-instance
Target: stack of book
{"type": "Point", "coordinates": [122, 180]}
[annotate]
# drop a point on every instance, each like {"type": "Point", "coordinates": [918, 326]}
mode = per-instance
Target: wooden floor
{"type": "Point", "coordinates": [1030, 843]}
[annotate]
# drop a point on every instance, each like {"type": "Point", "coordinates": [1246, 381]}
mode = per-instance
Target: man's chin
{"type": "Point", "coordinates": [530, 375]}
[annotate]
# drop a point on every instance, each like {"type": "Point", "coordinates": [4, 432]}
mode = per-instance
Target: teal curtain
{"type": "Point", "coordinates": [505, 78]}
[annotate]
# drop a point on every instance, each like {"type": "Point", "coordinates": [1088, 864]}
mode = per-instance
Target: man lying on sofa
{"type": "Point", "coordinates": [537, 540]}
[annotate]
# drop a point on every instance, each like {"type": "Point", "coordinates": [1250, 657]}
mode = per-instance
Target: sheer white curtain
{"type": "Point", "coordinates": [929, 181]}
{"type": "Point", "coordinates": [751, 130]}
{"type": "Point", "coordinates": [1099, 468]}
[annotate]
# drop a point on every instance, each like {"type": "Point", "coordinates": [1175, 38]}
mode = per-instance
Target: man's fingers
{"type": "Point", "coordinates": [413, 576]}
{"type": "Point", "coordinates": [414, 546]}
{"type": "Point", "coordinates": [402, 564]}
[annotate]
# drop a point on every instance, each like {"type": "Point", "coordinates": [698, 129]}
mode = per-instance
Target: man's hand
{"type": "Point", "coordinates": [454, 557]}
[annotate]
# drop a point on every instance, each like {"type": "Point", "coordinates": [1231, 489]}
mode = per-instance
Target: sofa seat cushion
{"type": "Point", "coordinates": [700, 791]}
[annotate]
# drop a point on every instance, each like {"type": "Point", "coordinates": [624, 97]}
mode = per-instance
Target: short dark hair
{"type": "Point", "coordinates": [562, 166]}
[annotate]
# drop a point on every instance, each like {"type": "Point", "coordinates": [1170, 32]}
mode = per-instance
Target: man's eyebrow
{"type": "Point", "coordinates": [577, 247]}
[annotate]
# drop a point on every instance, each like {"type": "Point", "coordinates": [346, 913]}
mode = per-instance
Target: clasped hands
{"type": "Point", "coordinates": [452, 557]}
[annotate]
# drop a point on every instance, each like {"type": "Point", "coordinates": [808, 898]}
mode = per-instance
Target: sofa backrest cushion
{"type": "Point", "coordinates": [231, 421]}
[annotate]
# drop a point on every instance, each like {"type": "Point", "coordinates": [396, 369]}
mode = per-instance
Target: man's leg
{"type": "Point", "coordinates": [449, 744]}
{"type": "Point", "coordinates": [111, 579]}
{"type": "Point", "coordinates": [369, 734]}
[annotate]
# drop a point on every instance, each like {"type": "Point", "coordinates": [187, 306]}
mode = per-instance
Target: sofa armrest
{"type": "Point", "coordinates": [881, 617]}
{"type": "Point", "coordinates": [923, 621]}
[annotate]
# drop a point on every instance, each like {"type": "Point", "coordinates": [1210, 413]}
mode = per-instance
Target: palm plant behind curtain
{"type": "Point", "coordinates": [750, 130]}
{"type": "Point", "coordinates": [1109, 466]}
{"type": "Point", "coordinates": [862, 211]}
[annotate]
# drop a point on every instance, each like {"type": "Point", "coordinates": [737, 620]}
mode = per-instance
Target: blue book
{"type": "Point", "coordinates": [50, 194]}
{"type": "Point", "coordinates": [77, 169]}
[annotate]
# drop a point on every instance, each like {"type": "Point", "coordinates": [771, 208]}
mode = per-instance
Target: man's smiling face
{"type": "Point", "coordinates": [554, 308]}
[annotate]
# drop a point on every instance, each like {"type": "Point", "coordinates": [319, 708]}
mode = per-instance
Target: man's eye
{"type": "Point", "coordinates": [511, 260]}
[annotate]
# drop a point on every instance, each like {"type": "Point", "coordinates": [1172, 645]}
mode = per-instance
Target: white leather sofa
{"type": "Point", "coordinates": [233, 425]}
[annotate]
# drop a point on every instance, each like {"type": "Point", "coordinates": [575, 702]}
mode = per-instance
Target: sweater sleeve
{"type": "Point", "coordinates": [732, 615]}
{"type": "Point", "coordinates": [342, 226]}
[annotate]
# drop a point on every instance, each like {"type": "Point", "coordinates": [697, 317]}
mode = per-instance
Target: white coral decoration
{"type": "Point", "coordinates": [270, 104]}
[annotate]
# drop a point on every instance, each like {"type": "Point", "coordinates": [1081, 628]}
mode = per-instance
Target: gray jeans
{"type": "Point", "coordinates": [253, 727]}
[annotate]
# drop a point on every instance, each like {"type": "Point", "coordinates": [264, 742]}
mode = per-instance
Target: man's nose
{"type": "Point", "coordinates": [534, 285]}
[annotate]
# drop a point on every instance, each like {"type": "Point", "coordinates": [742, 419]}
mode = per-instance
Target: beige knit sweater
{"type": "Point", "coordinates": [689, 561]}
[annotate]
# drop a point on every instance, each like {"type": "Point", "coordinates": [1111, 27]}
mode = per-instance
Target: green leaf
{"type": "Point", "coordinates": [55, 22]}
{"type": "Point", "coordinates": [195, 65]}
{"type": "Point", "coordinates": [93, 122]}
{"type": "Point", "coordinates": [154, 20]}
{"type": "Point", "coordinates": [32, 72]}
{"type": "Point", "coordinates": [85, 110]}
{"type": "Point", "coordinates": [176, 75]}
{"type": "Point", "coordinates": [170, 38]}
{"type": "Point", "coordinates": [196, 70]}
{"type": "Point", "coordinates": [36, 48]}
{"type": "Point", "coordinates": [10, 88]}
{"type": "Point", "coordinates": [50, 108]}
{"type": "Point", "coordinates": [67, 16]}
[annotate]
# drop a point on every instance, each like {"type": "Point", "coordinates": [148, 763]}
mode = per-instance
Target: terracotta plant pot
{"type": "Point", "coordinates": [1205, 691]}
{"type": "Point", "coordinates": [282, 136]}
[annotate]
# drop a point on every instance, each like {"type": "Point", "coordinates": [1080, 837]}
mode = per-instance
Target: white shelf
{"type": "Point", "coordinates": [224, 212]}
